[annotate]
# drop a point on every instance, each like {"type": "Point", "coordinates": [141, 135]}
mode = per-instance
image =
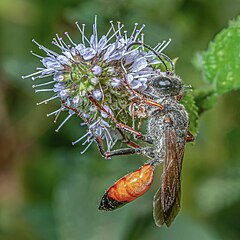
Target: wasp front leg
{"type": "Point", "coordinates": [118, 124]}
{"type": "Point", "coordinates": [140, 97]}
{"type": "Point", "coordinates": [127, 188]}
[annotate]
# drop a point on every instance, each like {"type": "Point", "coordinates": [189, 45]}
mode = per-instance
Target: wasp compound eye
{"type": "Point", "coordinates": [162, 83]}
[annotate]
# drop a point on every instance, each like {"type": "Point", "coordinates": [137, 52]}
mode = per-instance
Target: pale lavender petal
{"type": "Point", "coordinates": [76, 100]}
{"type": "Point", "coordinates": [93, 41]}
{"type": "Point", "coordinates": [63, 59]}
{"type": "Point", "coordinates": [64, 93]}
{"type": "Point", "coordinates": [104, 114]}
{"type": "Point", "coordinates": [117, 55]}
{"type": "Point", "coordinates": [115, 82]}
{"type": "Point", "coordinates": [102, 42]}
{"type": "Point", "coordinates": [58, 77]}
{"type": "Point", "coordinates": [97, 70]}
{"type": "Point", "coordinates": [139, 64]}
{"type": "Point", "coordinates": [68, 54]}
{"type": "Point", "coordinates": [48, 71]}
{"type": "Point", "coordinates": [129, 78]}
{"type": "Point", "coordinates": [136, 84]}
{"type": "Point", "coordinates": [74, 51]}
{"type": "Point", "coordinates": [80, 47]}
{"type": "Point", "coordinates": [49, 62]}
{"type": "Point", "coordinates": [88, 53]}
{"type": "Point", "coordinates": [97, 94]}
{"type": "Point", "coordinates": [130, 57]}
{"type": "Point", "coordinates": [109, 51]}
{"type": "Point", "coordinates": [58, 87]}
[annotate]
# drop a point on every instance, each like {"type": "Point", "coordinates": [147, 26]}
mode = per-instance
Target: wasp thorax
{"type": "Point", "coordinates": [167, 85]}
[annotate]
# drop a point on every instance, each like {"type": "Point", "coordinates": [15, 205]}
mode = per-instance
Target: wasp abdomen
{"type": "Point", "coordinates": [128, 188]}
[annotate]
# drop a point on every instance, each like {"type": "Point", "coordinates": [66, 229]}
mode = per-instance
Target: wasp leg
{"type": "Point", "coordinates": [190, 137]}
{"type": "Point", "coordinates": [118, 124]}
{"type": "Point", "coordinates": [100, 145]}
{"type": "Point", "coordinates": [127, 140]}
{"type": "Point", "coordinates": [97, 138]}
{"type": "Point", "coordinates": [148, 151]}
{"type": "Point", "coordinates": [147, 101]}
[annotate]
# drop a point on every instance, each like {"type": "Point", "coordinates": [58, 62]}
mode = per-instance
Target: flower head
{"type": "Point", "coordinates": [96, 68]}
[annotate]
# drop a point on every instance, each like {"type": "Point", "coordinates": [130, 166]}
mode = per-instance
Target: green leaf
{"type": "Point", "coordinates": [205, 99]}
{"type": "Point", "coordinates": [192, 109]}
{"type": "Point", "coordinates": [221, 61]}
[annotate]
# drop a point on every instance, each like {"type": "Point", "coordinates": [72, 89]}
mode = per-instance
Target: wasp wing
{"type": "Point", "coordinates": [166, 203]}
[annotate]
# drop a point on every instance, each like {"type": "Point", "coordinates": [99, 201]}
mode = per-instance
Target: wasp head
{"type": "Point", "coordinates": [167, 85]}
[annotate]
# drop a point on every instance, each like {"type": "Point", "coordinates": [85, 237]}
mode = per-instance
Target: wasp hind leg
{"type": "Point", "coordinates": [190, 137]}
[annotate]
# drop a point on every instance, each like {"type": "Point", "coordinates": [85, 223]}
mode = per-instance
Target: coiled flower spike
{"type": "Point", "coordinates": [97, 67]}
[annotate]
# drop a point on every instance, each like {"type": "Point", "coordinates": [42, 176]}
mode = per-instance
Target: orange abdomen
{"type": "Point", "coordinates": [132, 185]}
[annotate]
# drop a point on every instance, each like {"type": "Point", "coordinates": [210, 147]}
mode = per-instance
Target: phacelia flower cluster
{"type": "Point", "coordinates": [89, 77]}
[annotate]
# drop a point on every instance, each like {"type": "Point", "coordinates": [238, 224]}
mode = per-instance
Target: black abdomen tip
{"type": "Point", "coordinates": [109, 204]}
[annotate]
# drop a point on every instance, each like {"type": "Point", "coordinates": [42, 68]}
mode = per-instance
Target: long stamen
{"type": "Point", "coordinates": [125, 35]}
{"type": "Point", "coordinates": [131, 51]}
{"type": "Point", "coordinates": [70, 39]}
{"type": "Point", "coordinates": [58, 44]}
{"type": "Point", "coordinates": [86, 141]}
{"type": "Point", "coordinates": [87, 147]}
{"type": "Point", "coordinates": [43, 90]}
{"type": "Point", "coordinates": [108, 133]}
{"type": "Point", "coordinates": [118, 24]}
{"type": "Point", "coordinates": [115, 33]}
{"type": "Point", "coordinates": [134, 29]}
{"type": "Point", "coordinates": [59, 40]}
{"type": "Point", "coordinates": [114, 143]}
{"type": "Point", "coordinates": [47, 100]}
{"type": "Point", "coordinates": [32, 74]}
{"type": "Point", "coordinates": [42, 76]}
{"type": "Point", "coordinates": [95, 31]}
{"type": "Point", "coordinates": [138, 32]}
{"type": "Point", "coordinates": [64, 121]}
{"type": "Point", "coordinates": [113, 28]}
{"type": "Point", "coordinates": [165, 45]}
{"type": "Point", "coordinates": [159, 45]}
{"type": "Point", "coordinates": [110, 29]}
{"type": "Point", "coordinates": [142, 39]}
{"type": "Point", "coordinates": [67, 47]}
{"type": "Point", "coordinates": [36, 55]}
{"type": "Point", "coordinates": [42, 84]}
{"type": "Point", "coordinates": [48, 51]}
{"type": "Point", "coordinates": [83, 35]}
{"type": "Point", "coordinates": [82, 32]}
{"type": "Point", "coordinates": [55, 112]}
{"type": "Point", "coordinates": [57, 115]}
{"type": "Point", "coordinates": [82, 137]}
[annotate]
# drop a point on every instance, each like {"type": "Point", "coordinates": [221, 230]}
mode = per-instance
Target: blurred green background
{"type": "Point", "coordinates": [48, 190]}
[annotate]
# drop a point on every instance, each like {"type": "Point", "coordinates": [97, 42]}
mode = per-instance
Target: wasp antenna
{"type": "Point", "coordinates": [152, 50]}
{"type": "Point", "coordinates": [170, 61]}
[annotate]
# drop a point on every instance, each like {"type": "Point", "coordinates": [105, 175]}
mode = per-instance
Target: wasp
{"type": "Point", "coordinates": [167, 134]}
